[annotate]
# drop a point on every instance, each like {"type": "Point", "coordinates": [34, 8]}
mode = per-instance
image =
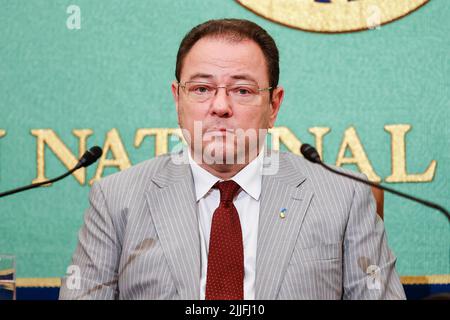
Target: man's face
{"type": "Point", "coordinates": [221, 62]}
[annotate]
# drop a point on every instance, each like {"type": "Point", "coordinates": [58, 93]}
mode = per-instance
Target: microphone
{"type": "Point", "coordinates": [88, 158]}
{"type": "Point", "coordinates": [311, 154]}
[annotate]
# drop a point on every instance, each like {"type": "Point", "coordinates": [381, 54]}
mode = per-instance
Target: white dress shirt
{"type": "Point", "coordinates": [247, 205]}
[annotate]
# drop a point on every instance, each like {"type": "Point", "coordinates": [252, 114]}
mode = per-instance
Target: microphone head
{"type": "Point", "coordinates": [310, 153]}
{"type": "Point", "coordinates": [90, 156]}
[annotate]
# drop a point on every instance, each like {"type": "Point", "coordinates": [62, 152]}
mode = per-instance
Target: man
{"type": "Point", "coordinates": [211, 221]}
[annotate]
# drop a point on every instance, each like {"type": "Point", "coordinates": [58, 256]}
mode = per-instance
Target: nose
{"type": "Point", "coordinates": [220, 104]}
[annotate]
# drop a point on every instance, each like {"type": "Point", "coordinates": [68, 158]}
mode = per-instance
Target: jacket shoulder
{"type": "Point", "coordinates": [135, 177]}
{"type": "Point", "coordinates": [318, 175]}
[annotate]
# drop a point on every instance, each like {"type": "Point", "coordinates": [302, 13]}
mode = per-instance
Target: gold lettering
{"type": "Point", "coordinates": [82, 135]}
{"type": "Point", "coordinates": [49, 137]}
{"type": "Point", "coordinates": [279, 135]}
{"type": "Point", "coordinates": [319, 132]}
{"type": "Point", "coordinates": [114, 143]}
{"type": "Point", "coordinates": [398, 156]}
{"type": "Point", "coordinates": [359, 158]}
{"type": "Point", "coordinates": [285, 136]}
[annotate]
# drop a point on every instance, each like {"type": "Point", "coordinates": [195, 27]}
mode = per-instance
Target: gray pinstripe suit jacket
{"type": "Point", "coordinates": [140, 238]}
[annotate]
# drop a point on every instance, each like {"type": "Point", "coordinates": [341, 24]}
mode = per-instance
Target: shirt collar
{"type": "Point", "coordinates": [249, 178]}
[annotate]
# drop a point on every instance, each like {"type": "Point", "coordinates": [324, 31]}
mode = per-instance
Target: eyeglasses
{"type": "Point", "coordinates": [240, 93]}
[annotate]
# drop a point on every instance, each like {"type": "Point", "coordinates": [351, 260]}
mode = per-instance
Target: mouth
{"type": "Point", "coordinates": [220, 129]}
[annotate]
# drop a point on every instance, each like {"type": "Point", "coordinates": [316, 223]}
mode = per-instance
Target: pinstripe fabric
{"type": "Point", "coordinates": [140, 238]}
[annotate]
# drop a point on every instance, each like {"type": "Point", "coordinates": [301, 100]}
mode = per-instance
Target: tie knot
{"type": "Point", "coordinates": [228, 190]}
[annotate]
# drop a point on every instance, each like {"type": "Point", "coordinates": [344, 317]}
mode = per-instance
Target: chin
{"type": "Point", "coordinates": [220, 153]}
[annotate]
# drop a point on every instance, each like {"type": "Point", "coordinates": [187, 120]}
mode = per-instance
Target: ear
{"type": "Point", "coordinates": [175, 92]}
{"type": "Point", "coordinates": [275, 104]}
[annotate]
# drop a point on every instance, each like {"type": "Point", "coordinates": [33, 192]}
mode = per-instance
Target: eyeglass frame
{"type": "Point", "coordinates": [217, 87]}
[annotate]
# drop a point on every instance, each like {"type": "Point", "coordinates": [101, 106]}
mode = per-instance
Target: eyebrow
{"type": "Point", "coordinates": [200, 75]}
{"type": "Point", "coordinates": [243, 76]}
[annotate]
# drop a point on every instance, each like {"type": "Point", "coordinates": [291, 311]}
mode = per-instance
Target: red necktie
{"type": "Point", "coordinates": [225, 276]}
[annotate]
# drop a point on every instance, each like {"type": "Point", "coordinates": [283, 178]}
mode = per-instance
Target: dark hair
{"type": "Point", "coordinates": [234, 30]}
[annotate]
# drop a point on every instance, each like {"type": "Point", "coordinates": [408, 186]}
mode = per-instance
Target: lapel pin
{"type": "Point", "coordinates": [282, 213]}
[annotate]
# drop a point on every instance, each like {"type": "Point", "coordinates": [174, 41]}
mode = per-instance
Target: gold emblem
{"type": "Point", "coordinates": [332, 16]}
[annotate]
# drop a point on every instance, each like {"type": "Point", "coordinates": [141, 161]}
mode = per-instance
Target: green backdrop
{"type": "Point", "coordinates": [115, 72]}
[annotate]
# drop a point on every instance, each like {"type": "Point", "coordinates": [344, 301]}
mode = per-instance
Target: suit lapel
{"type": "Point", "coordinates": [171, 201]}
{"type": "Point", "coordinates": [277, 235]}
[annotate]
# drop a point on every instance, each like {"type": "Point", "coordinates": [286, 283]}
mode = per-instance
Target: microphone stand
{"type": "Point", "coordinates": [88, 158]}
{"type": "Point", "coordinates": [401, 194]}
{"type": "Point", "coordinates": [311, 154]}
{"type": "Point", "coordinates": [35, 185]}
